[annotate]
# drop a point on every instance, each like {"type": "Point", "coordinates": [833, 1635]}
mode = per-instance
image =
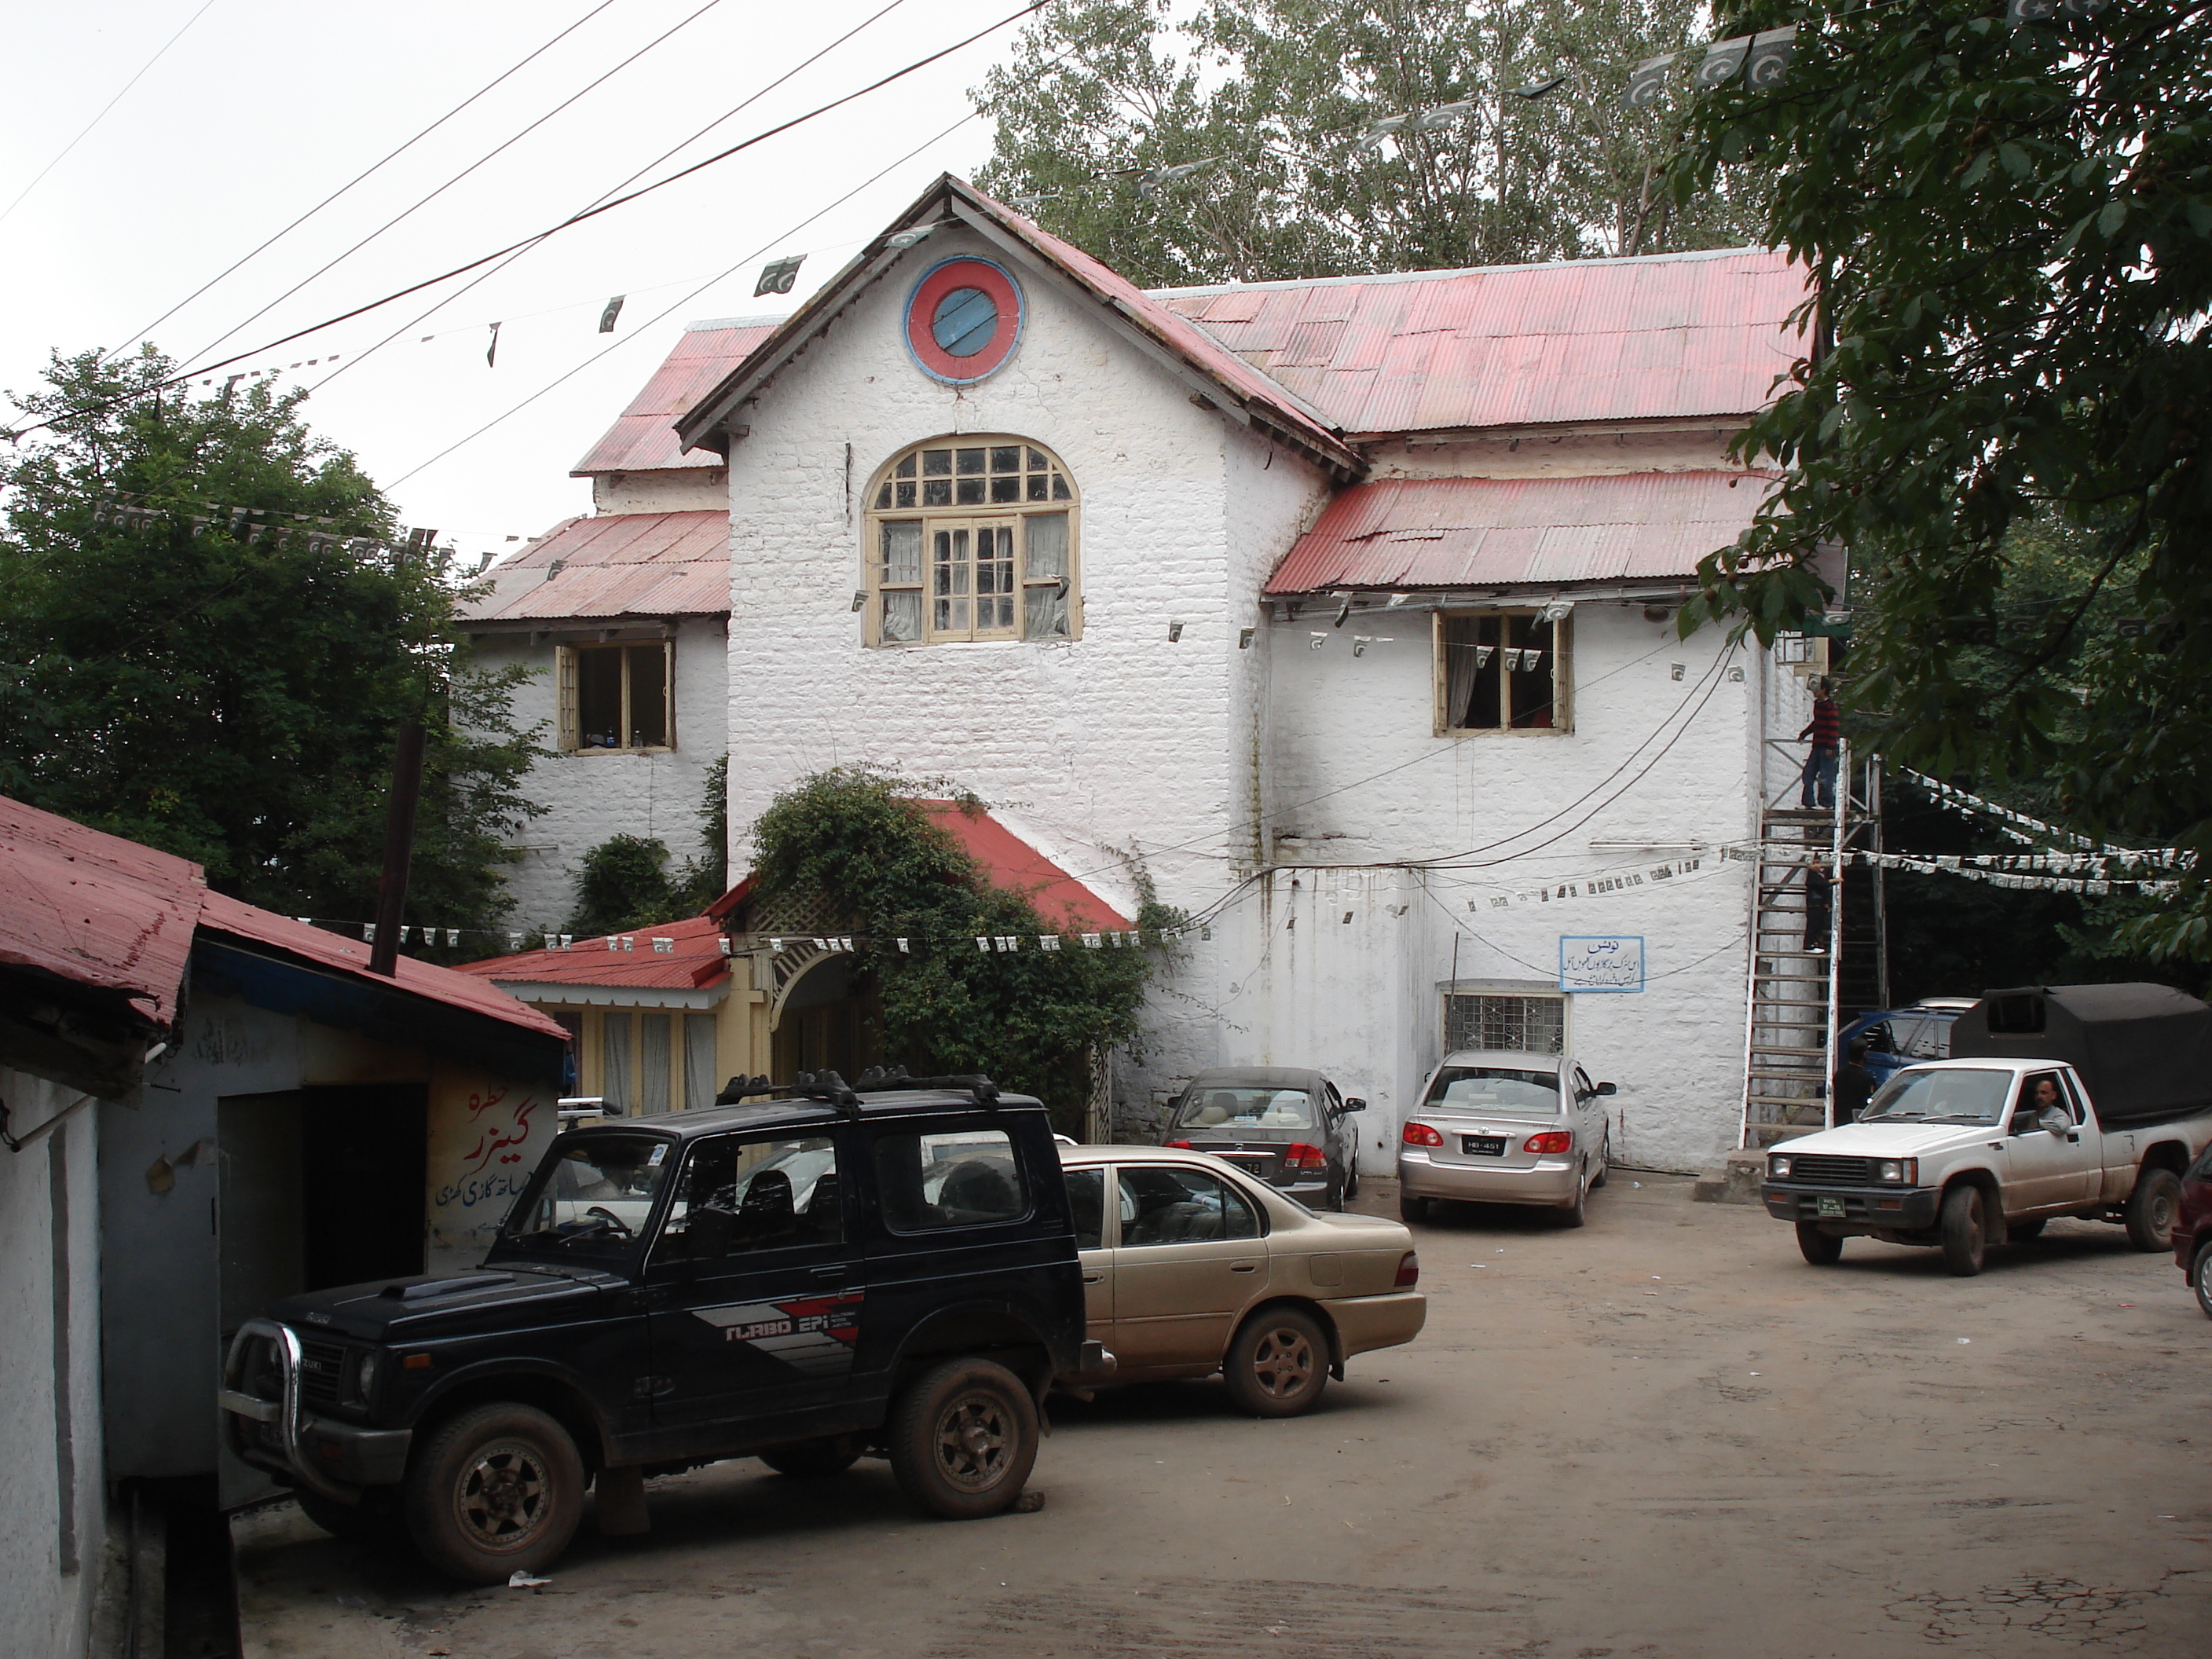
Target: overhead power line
{"type": "Point", "coordinates": [722, 275]}
{"type": "Point", "coordinates": [421, 317]}
{"type": "Point", "coordinates": [497, 149]}
{"type": "Point", "coordinates": [391, 155]}
{"type": "Point", "coordinates": [186, 376]}
{"type": "Point", "coordinates": [104, 108]}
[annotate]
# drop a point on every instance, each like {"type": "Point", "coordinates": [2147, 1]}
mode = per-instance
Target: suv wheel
{"type": "Point", "coordinates": [2200, 1279]}
{"type": "Point", "coordinates": [2151, 1210]}
{"type": "Point", "coordinates": [498, 1490]}
{"type": "Point", "coordinates": [964, 1439]}
{"type": "Point", "coordinates": [374, 1520]}
{"type": "Point", "coordinates": [1279, 1364]}
{"type": "Point", "coordinates": [1964, 1227]}
{"type": "Point", "coordinates": [813, 1460]}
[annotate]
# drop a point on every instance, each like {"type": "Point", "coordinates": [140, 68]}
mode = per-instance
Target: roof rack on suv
{"type": "Point", "coordinates": [828, 1086]}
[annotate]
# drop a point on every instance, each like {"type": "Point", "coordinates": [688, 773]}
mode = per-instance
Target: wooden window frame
{"type": "Point", "coordinates": [1562, 652]}
{"type": "Point", "coordinates": [566, 679]}
{"type": "Point", "coordinates": [953, 517]}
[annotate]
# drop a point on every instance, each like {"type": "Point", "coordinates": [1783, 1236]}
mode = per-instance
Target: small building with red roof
{"type": "Point", "coordinates": [664, 1016]}
{"type": "Point", "coordinates": [207, 1107]}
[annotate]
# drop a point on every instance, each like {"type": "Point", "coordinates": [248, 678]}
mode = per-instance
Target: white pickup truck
{"type": "Point", "coordinates": [1987, 1146]}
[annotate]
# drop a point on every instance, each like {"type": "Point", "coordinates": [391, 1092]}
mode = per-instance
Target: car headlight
{"type": "Point", "coordinates": [1897, 1171]}
{"type": "Point", "coordinates": [363, 1377]}
{"type": "Point", "coordinates": [1778, 1168]}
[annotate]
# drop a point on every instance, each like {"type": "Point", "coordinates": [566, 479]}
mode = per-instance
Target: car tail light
{"type": "Point", "coordinates": [1551, 1140]}
{"type": "Point", "coordinates": [1420, 1135]}
{"type": "Point", "coordinates": [1185, 1145]}
{"type": "Point", "coordinates": [1409, 1271]}
{"type": "Point", "coordinates": [1299, 1156]}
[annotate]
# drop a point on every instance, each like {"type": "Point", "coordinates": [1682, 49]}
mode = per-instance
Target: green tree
{"type": "Point", "coordinates": [2011, 233]}
{"type": "Point", "coordinates": [855, 840]}
{"type": "Point", "coordinates": [227, 687]}
{"type": "Point", "coordinates": [1280, 92]}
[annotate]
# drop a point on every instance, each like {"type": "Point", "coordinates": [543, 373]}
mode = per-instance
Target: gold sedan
{"type": "Point", "coordinates": [1190, 1267]}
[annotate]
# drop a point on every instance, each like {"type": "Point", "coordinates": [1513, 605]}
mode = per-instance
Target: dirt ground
{"type": "Point", "coordinates": [1660, 1436]}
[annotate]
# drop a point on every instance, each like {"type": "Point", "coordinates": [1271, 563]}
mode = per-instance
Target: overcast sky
{"type": "Point", "coordinates": [261, 109]}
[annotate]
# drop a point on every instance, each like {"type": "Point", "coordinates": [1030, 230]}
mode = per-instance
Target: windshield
{"type": "Point", "coordinates": [1495, 1092]}
{"type": "Point", "coordinates": [1246, 1109]}
{"type": "Point", "coordinates": [1925, 1095]}
{"type": "Point", "coordinates": [592, 1196]}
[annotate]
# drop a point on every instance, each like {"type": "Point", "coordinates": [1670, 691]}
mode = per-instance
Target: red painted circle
{"type": "Point", "coordinates": [921, 314]}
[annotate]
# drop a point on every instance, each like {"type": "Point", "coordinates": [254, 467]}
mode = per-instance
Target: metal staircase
{"type": "Point", "coordinates": [1791, 1004]}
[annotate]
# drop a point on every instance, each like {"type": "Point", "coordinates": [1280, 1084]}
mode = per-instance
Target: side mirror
{"type": "Point", "coordinates": [1608, 1088]}
{"type": "Point", "coordinates": [1354, 1103]}
{"type": "Point", "coordinates": [2055, 1120]}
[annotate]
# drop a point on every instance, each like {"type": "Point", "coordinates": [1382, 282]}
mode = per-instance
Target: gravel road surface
{"type": "Point", "coordinates": [1660, 1436]}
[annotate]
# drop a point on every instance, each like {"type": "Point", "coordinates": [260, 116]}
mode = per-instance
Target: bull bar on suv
{"type": "Point", "coordinates": [282, 1437]}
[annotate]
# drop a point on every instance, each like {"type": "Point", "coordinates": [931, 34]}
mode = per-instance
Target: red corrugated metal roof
{"type": "Point", "coordinates": [96, 910]}
{"type": "Point", "coordinates": [112, 915]}
{"type": "Point", "coordinates": [621, 564]}
{"type": "Point", "coordinates": [1195, 346]}
{"type": "Point", "coordinates": [1009, 861]}
{"type": "Point", "coordinates": [694, 959]}
{"type": "Point", "coordinates": [696, 956]}
{"type": "Point", "coordinates": [224, 914]}
{"type": "Point", "coordinates": [644, 438]}
{"type": "Point", "coordinates": [1452, 532]}
{"type": "Point", "coordinates": [1664, 335]}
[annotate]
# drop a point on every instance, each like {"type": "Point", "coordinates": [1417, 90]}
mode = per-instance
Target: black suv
{"type": "Point", "coordinates": [806, 1278]}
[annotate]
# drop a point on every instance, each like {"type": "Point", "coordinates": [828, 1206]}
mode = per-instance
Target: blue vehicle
{"type": "Point", "coordinates": [1898, 1037]}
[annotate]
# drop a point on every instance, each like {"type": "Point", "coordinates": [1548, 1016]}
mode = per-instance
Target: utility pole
{"type": "Point", "coordinates": [398, 847]}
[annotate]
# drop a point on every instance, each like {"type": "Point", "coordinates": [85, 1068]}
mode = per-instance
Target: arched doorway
{"type": "Point", "coordinates": [829, 1017]}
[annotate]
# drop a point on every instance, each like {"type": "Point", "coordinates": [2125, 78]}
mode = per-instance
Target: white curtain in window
{"type": "Point", "coordinates": [657, 1071]}
{"type": "Point", "coordinates": [614, 1063]}
{"type": "Point", "coordinates": [1044, 569]}
{"type": "Point", "coordinates": [699, 1082]}
{"type": "Point", "coordinates": [1460, 660]}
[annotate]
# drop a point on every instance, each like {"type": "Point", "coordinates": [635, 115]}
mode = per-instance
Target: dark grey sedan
{"type": "Point", "coordinates": [1285, 1125]}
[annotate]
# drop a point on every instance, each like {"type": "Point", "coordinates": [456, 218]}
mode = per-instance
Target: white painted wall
{"type": "Point", "coordinates": [1119, 739]}
{"type": "Point", "coordinates": [50, 1418]}
{"type": "Point", "coordinates": [1358, 775]}
{"type": "Point", "coordinates": [594, 794]}
{"type": "Point", "coordinates": [1193, 754]}
{"type": "Point", "coordinates": [671, 489]}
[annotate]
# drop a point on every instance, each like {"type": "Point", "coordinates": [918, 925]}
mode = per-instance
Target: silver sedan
{"type": "Point", "coordinates": [1501, 1128]}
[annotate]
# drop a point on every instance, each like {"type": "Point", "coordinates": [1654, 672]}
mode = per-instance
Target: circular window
{"type": "Point", "coordinates": [963, 320]}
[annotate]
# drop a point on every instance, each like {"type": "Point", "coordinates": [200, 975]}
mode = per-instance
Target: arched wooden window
{"type": "Point", "coordinates": [972, 539]}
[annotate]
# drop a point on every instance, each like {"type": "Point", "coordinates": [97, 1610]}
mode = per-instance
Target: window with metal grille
{"type": "Point", "coordinates": [971, 538]}
{"type": "Point", "coordinates": [1530, 1026]}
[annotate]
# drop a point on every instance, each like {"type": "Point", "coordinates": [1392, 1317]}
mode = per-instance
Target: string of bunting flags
{"type": "Point", "coordinates": [126, 511]}
{"type": "Point", "coordinates": [2020, 826]}
{"type": "Point", "coordinates": [1974, 868]}
{"type": "Point", "coordinates": [1588, 887]}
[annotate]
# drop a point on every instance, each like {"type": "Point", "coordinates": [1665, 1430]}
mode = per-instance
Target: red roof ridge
{"type": "Point", "coordinates": [1257, 396]}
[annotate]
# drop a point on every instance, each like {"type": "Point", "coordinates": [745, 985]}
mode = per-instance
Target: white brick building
{"type": "Point", "coordinates": [1344, 606]}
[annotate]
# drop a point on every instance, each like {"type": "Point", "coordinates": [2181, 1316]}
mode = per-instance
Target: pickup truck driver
{"type": "Point", "coordinates": [2038, 1096]}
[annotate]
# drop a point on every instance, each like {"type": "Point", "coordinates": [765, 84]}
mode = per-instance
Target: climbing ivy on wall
{"type": "Point", "coordinates": [856, 840]}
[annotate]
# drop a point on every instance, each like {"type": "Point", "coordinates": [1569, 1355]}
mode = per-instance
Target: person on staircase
{"type": "Point", "coordinates": [1854, 1083]}
{"type": "Point", "coordinates": [1826, 730]}
{"type": "Point", "coordinates": [1820, 897]}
